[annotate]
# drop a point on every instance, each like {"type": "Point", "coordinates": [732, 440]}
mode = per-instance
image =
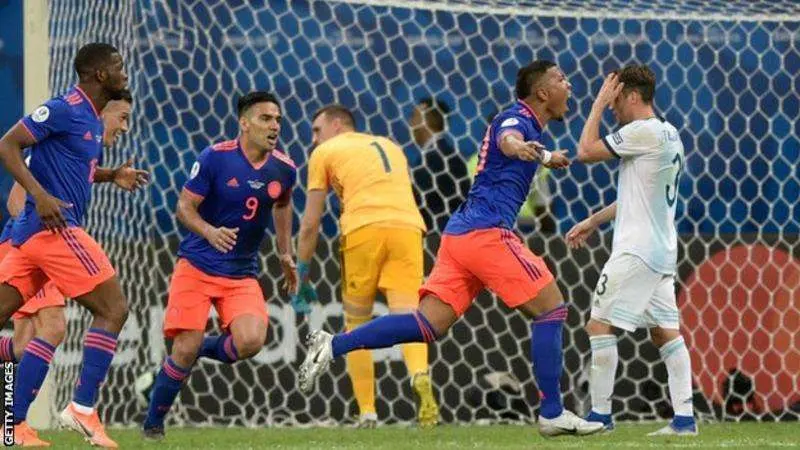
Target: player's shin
{"type": "Point", "coordinates": [32, 370]}
{"type": "Point", "coordinates": [603, 370]}
{"type": "Point", "coordinates": [220, 348]}
{"type": "Point", "coordinates": [679, 375]}
{"type": "Point", "coordinates": [99, 347]}
{"type": "Point", "coordinates": [165, 389]}
{"type": "Point", "coordinates": [385, 331]}
{"type": "Point", "coordinates": [547, 357]}
{"type": "Point", "coordinates": [361, 369]}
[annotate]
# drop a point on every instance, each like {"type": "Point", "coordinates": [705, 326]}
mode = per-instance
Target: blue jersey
{"type": "Point", "coordinates": [6, 234]}
{"type": "Point", "coordinates": [501, 183]}
{"type": "Point", "coordinates": [235, 194]}
{"type": "Point", "coordinates": [68, 132]}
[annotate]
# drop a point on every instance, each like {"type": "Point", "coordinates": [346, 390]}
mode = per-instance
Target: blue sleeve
{"type": "Point", "coordinates": [286, 195]}
{"type": "Point", "coordinates": [51, 118]}
{"type": "Point", "coordinates": [202, 174]}
{"type": "Point", "coordinates": [517, 124]}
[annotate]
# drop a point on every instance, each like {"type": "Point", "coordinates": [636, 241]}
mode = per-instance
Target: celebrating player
{"type": "Point", "coordinates": [42, 316]}
{"type": "Point", "coordinates": [479, 250]}
{"type": "Point", "coordinates": [381, 244]}
{"type": "Point", "coordinates": [637, 285]}
{"type": "Point", "coordinates": [226, 204]}
{"type": "Point", "coordinates": [65, 135]}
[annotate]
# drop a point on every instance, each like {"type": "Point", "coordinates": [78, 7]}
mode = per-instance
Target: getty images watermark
{"type": "Point", "coordinates": [8, 404]}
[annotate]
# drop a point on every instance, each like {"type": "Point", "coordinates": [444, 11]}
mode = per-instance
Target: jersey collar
{"type": "Point", "coordinates": [86, 97]}
{"type": "Point", "coordinates": [254, 166]}
{"type": "Point", "coordinates": [532, 112]}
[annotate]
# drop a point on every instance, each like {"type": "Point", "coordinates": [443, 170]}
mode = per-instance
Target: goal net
{"type": "Point", "coordinates": [728, 78]}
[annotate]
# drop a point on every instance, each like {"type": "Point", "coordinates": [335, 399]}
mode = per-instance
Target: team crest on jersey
{"type": "Point", "coordinates": [41, 114]}
{"type": "Point", "coordinates": [617, 138]}
{"type": "Point", "coordinates": [274, 189]}
{"type": "Point", "coordinates": [510, 122]}
{"type": "Point", "coordinates": [255, 184]}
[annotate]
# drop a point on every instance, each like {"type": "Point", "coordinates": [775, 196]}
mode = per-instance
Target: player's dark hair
{"type": "Point", "coordinates": [247, 102]}
{"type": "Point", "coordinates": [434, 112]}
{"type": "Point", "coordinates": [528, 76]}
{"type": "Point", "coordinates": [640, 78]}
{"type": "Point", "coordinates": [93, 57]}
{"type": "Point", "coordinates": [337, 111]}
{"type": "Point", "coordinates": [126, 96]}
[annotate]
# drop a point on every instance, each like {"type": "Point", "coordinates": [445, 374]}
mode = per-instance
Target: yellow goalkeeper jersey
{"type": "Point", "coordinates": [370, 176]}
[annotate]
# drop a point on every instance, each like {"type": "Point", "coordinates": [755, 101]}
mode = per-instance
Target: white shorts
{"type": "Point", "coordinates": [630, 295]}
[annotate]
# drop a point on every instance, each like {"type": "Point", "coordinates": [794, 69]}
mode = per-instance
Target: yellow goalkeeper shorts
{"type": "Point", "coordinates": [381, 256]}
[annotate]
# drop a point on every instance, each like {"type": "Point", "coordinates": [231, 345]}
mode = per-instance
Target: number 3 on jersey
{"type": "Point", "coordinates": [252, 205]}
{"type": "Point", "coordinates": [671, 201]}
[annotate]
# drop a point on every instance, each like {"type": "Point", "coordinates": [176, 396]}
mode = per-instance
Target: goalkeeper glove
{"type": "Point", "coordinates": [305, 291]}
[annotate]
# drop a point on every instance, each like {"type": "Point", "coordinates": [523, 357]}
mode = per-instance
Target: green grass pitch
{"type": "Point", "coordinates": [626, 436]}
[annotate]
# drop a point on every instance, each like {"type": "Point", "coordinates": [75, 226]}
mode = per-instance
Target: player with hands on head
{"type": "Point", "coordinates": [636, 287]}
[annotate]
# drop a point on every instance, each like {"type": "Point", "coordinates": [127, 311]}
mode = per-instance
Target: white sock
{"type": "Point", "coordinates": [679, 375]}
{"type": "Point", "coordinates": [603, 371]}
{"type": "Point", "coordinates": [82, 409]}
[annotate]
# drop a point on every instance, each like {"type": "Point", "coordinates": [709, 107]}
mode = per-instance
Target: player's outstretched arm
{"type": "Point", "coordinates": [282, 218]}
{"type": "Point", "coordinates": [591, 147]}
{"type": "Point", "coordinates": [513, 146]}
{"type": "Point", "coordinates": [221, 238]}
{"type": "Point", "coordinates": [577, 235]}
{"type": "Point", "coordinates": [47, 206]}
{"type": "Point", "coordinates": [126, 177]}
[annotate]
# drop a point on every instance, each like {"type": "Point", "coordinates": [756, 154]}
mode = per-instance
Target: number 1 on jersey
{"type": "Point", "coordinates": [252, 204]}
{"type": "Point", "coordinates": [386, 167]}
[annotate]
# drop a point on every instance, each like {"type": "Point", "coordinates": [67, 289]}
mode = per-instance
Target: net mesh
{"type": "Point", "coordinates": [728, 79]}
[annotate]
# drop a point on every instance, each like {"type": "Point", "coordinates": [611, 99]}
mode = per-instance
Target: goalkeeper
{"type": "Point", "coordinates": [381, 244]}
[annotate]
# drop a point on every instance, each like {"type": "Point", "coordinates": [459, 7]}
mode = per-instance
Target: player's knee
{"type": "Point", "coordinates": [595, 328]}
{"type": "Point", "coordinates": [660, 336]}
{"type": "Point", "coordinates": [248, 344]}
{"type": "Point", "coordinates": [439, 315]}
{"type": "Point", "coordinates": [184, 351]}
{"type": "Point", "coordinates": [54, 330]}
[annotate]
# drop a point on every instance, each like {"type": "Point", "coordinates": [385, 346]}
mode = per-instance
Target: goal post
{"type": "Point", "coordinates": [728, 75]}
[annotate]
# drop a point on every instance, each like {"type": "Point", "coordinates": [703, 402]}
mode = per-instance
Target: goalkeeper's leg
{"type": "Point", "coordinates": [360, 365]}
{"type": "Point", "coordinates": [416, 358]}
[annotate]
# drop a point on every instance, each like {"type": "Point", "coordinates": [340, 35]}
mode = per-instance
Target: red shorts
{"type": "Point", "coordinates": [73, 261]}
{"type": "Point", "coordinates": [48, 297]}
{"type": "Point", "coordinates": [495, 259]}
{"type": "Point", "coordinates": [192, 292]}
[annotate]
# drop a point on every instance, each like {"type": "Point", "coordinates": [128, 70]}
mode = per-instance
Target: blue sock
{"type": "Point", "coordinates": [31, 373]}
{"type": "Point", "coordinates": [683, 422]}
{"type": "Point", "coordinates": [385, 331]}
{"type": "Point", "coordinates": [220, 348]}
{"type": "Point", "coordinates": [98, 351]}
{"type": "Point", "coordinates": [165, 389]}
{"type": "Point", "coordinates": [7, 350]}
{"type": "Point", "coordinates": [548, 359]}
